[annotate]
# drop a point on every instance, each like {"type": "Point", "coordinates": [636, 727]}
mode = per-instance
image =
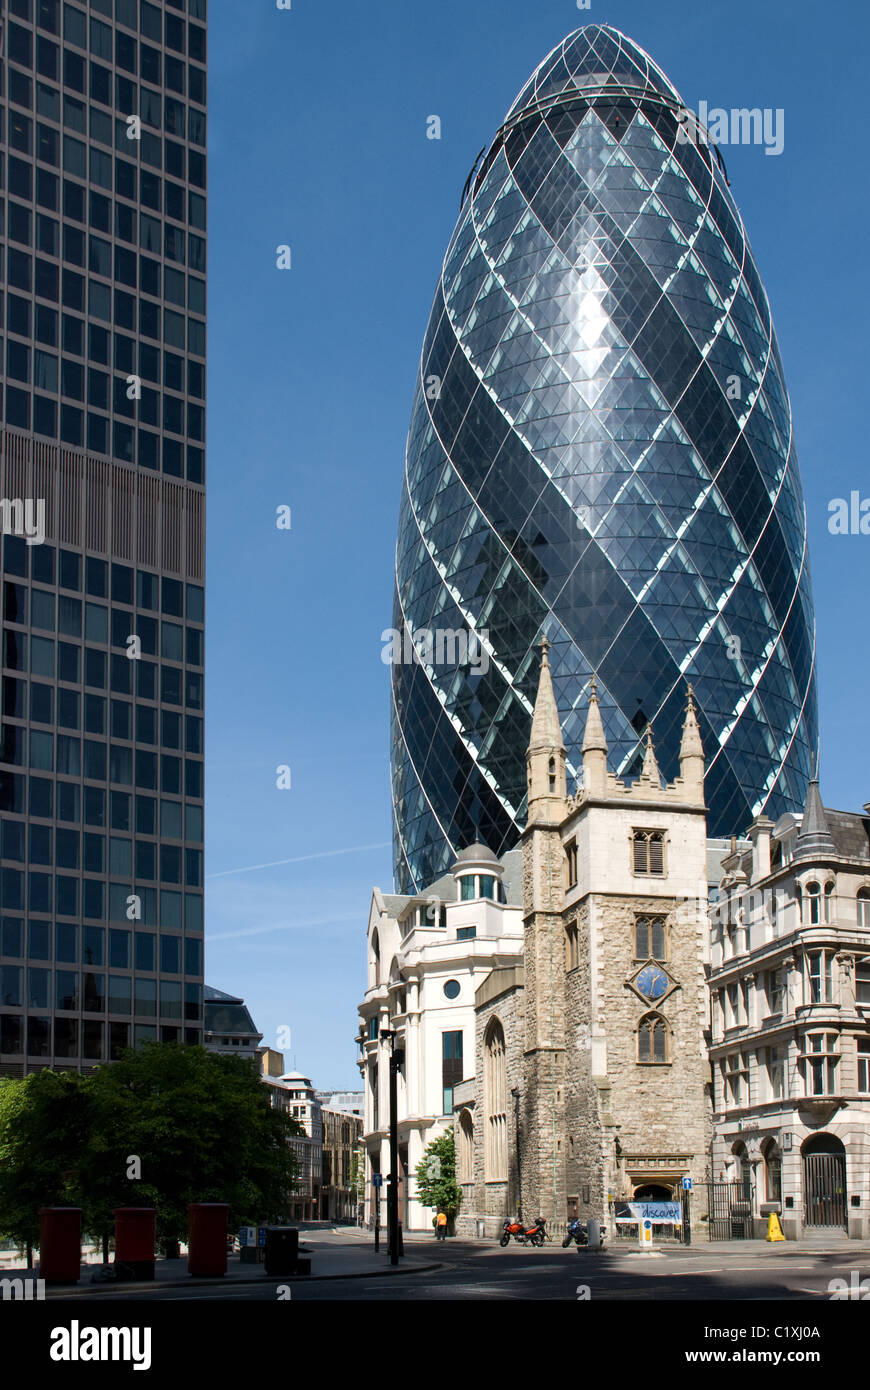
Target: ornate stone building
{"type": "Point", "coordinates": [598, 1044]}
{"type": "Point", "coordinates": [790, 1013]}
{"type": "Point", "coordinates": [427, 958]}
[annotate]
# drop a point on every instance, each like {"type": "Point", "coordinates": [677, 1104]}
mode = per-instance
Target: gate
{"type": "Point", "coordinates": [729, 1207]}
{"type": "Point", "coordinates": [825, 1189]}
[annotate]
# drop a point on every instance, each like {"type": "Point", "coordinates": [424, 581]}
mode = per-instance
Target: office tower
{"type": "Point", "coordinates": [600, 452]}
{"type": "Point", "coordinates": [103, 436]}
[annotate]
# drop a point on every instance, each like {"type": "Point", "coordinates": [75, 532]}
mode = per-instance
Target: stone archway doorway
{"type": "Point", "coordinates": [653, 1192]}
{"type": "Point", "coordinates": [824, 1173]}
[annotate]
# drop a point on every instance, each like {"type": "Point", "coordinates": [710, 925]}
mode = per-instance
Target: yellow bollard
{"type": "Point", "coordinates": [774, 1229]}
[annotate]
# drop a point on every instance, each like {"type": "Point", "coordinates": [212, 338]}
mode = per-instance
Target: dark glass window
{"type": "Point", "coordinates": [121, 811]}
{"type": "Point", "coordinates": [146, 944]}
{"type": "Point", "coordinates": [66, 896]}
{"type": "Point", "coordinates": [41, 798]}
{"type": "Point", "coordinates": [122, 584]}
{"type": "Point", "coordinates": [101, 84]}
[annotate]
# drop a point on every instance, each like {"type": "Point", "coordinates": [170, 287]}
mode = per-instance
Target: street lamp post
{"type": "Point", "coordinates": [396, 1060]}
{"type": "Point", "coordinates": [515, 1092]}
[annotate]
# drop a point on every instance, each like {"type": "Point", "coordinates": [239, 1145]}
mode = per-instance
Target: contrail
{"type": "Point", "coordinates": [300, 859]}
{"type": "Point", "coordinates": [282, 926]}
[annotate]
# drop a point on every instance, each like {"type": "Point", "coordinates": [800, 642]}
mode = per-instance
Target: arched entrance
{"type": "Point", "coordinates": [824, 1165]}
{"type": "Point", "coordinates": [742, 1169]}
{"type": "Point", "coordinates": [653, 1192]}
{"type": "Point", "coordinates": [772, 1171]}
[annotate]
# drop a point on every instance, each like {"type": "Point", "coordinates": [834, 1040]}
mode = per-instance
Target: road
{"type": "Point", "coordinates": [472, 1271]}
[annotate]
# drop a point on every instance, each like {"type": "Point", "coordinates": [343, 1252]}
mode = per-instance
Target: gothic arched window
{"type": "Point", "coordinates": [465, 1148]}
{"type": "Point", "coordinates": [652, 1039]}
{"type": "Point", "coordinates": [649, 938]}
{"type": "Point", "coordinates": [813, 904]}
{"type": "Point", "coordinates": [495, 1102]}
{"type": "Point", "coordinates": [648, 852]}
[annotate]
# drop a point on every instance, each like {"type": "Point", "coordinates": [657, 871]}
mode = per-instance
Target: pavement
{"type": "Point", "coordinates": [335, 1253]}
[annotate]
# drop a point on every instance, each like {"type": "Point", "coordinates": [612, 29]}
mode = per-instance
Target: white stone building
{"type": "Point", "coordinates": [427, 955]}
{"type": "Point", "coordinates": [790, 1015]}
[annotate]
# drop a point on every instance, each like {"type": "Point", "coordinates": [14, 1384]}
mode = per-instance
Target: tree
{"type": "Point", "coordinates": [202, 1129]}
{"type": "Point", "coordinates": [164, 1126]}
{"type": "Point", "coordinates": [44, 1123]}
{"type": "Point", "coordinates": [436, 1176]}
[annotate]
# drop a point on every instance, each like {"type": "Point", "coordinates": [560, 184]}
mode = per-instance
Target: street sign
{"type": "Point", "coordinates": [377, 1179]}
{"type": "Point", "coordinates": [261, 1235]}
{"type": "Point", "coordinates": [687, 1184]}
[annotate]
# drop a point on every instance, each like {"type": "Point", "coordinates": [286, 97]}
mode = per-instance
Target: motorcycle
{"type": "Point", "coordinates": [578, 1232]}
{"type": "Point", "coordinates": [522, 1234]}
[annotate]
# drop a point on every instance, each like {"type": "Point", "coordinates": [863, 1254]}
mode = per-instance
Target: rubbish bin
{"type": "Point", "coordinates": [134, 1242]}
{"type": "Point", "coordinates": [207, 1243]}
{"type": "Point", "coordinates": [60, 1244]}
{"type": "Point", "coordinates": [282, 1249]}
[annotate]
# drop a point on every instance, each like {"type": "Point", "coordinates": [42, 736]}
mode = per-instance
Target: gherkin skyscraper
{"type": "Point", "coordinates": [600, 452]}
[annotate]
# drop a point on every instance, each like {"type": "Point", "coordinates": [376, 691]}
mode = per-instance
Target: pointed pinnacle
{"type": "Point", "coordinates": [593, 736]}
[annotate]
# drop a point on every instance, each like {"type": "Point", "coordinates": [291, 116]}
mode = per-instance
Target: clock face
{"type": "Point", "coordinates": [652, 982]}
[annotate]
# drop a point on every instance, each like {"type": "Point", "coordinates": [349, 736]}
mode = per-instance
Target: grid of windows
{"type": "Point", "coordinates": [105, 221]}
{"type": "Point", "coordinates": [102, 348]}
{"type": "Point", "coordinates": [101, 815]}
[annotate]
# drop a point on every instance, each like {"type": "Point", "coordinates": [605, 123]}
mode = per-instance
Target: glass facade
{"type": "Point", "coordinates": [600, 451]}
{"type": "Point", "coordinates": [102, 372]}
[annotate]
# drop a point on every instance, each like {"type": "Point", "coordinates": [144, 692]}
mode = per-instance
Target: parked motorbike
{"type": "Point", "coordinates": [578, 1232]}
{"type": "Point", "coordinates": [522, 1234]}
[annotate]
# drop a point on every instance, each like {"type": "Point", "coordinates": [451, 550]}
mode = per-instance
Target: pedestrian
{"type": "Point", "coordinates": [441, 1225]}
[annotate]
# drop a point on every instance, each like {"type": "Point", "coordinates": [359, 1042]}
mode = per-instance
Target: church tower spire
{"type": "Point", "coordinates": [594, 746]}
{"type": "Point", "coordinates": [545, 757]}
{"type": "Point", "coordinates": [650, 771]}
{"type": "Point", "coordinates": [692, 751]}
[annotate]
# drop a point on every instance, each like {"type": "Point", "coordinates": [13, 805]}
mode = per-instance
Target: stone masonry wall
{"type": "Point", "coordinates": [660, 1109]}
{"type": "Point", "coordinates": [489, 1201]}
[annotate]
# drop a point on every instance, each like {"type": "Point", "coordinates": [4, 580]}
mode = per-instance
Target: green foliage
{"type": "Point", "coordinates": [199, 1123]}
{"type": "Point", "coordinates": [358, 1172]}
{"type": "Point", "coordinates": [43, 1130]}
{"type": "Point", "coordinates": [436, 1175]}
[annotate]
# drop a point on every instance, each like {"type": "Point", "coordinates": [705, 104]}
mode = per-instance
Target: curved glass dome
{"type": "Point", "coordinates": [601, 451]}
{"type": "Point", "coordinates": [591, 58]}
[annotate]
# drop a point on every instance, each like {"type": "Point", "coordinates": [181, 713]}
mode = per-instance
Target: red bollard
{"type": "Point", "coordinates": [207, 1243]}
{"type": "Point", "coordinates": [60, 1244]}
{"type": "Point", "coordinates": [134, 1242]}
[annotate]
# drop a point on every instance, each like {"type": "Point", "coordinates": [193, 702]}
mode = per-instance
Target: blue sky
{"type": "Point", "coordinates": [318, 141]}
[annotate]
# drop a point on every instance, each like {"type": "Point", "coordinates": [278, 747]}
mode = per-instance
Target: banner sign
{"type": "Point", "coordinates": [660, 1212]}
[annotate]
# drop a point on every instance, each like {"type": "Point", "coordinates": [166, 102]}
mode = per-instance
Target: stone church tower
{"type": "Point", "coordinates": [614, 1094]}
